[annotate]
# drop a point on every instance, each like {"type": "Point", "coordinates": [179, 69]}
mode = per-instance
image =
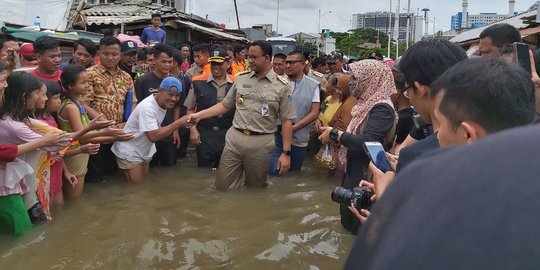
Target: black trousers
{"type": "Point", "coordinates": [166, 153]}
{"type": "Point", "coordinates": [211, 147]}
{"type": "Point", "coordinates": [184, 142]}
{"type": "Point", "coordinates": [101, 164]}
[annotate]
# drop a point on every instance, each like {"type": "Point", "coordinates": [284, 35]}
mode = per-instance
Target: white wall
{"type": "Point", "coordinates": [53, 13]}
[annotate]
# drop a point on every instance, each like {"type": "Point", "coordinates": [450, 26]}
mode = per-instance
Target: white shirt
{"type": "Point", "coordinates": [316, 95]}
{"type": "Point", "coordinates": [146, 117]}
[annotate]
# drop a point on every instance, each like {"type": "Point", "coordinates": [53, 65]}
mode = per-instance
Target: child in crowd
{"type": "Point", "coordinates": [72, 117]}
{"type": "Point", "coordinates": [20, 98]}
{"type": "Point", "coordinates": [47, 115]}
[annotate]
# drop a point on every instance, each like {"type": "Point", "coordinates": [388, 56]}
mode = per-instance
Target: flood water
{"type": "Point", "coordinates": [177, 220]}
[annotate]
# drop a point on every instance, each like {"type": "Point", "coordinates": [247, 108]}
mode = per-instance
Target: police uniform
{"type": "Point", "coordinates": [205, 93]}
{"type": "Point", "coordinates": [250, 141]}
{"type": "Point", "coordinates": [320, 78]}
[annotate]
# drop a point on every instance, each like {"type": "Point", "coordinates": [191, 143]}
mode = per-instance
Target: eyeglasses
{"type": "Point", "coordinates": [406, 92]}
{"type": "Point", "coordinates": [291, 62]}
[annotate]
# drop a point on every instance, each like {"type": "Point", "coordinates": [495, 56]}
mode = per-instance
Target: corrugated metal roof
{"type": "Point", "coordinates": [133, 11]}
{"type": "Point", "coordinates": [516, 21]}
{"type": "Point", "coordinates": [214, 32]}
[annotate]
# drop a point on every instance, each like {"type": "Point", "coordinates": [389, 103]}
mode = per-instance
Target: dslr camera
{"type": "Point", "coordinates": [360, 197]}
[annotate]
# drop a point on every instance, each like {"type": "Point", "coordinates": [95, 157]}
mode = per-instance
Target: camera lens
{"type": "Point", "coordinates": [341, 195]}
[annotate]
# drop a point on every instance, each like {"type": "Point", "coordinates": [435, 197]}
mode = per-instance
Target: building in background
{"type": "Point", "coordinates": [258, 31]}
{"type": "Point", "coordinates": [379, 20]}
{"type": "Point", "coordinates": [476, 20]}
{"type": "Point", "coordinates": [463, 20]}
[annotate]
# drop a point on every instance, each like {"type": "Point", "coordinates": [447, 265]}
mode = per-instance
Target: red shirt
{"type": "Point", "coordinates": [8, 152]}
{"type": "Point", "coordinates": [54, 78]}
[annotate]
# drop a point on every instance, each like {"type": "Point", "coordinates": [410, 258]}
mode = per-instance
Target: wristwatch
{"type": "Point", "coordinates": [286, 152]}
{"type": "Point", "coordinates": [334, 134]}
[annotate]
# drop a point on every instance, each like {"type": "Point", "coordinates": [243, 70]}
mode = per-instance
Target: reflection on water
{"type": "Point", "coordinates": [177, 220]}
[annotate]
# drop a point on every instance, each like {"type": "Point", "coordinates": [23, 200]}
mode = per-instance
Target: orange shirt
{"type": "Point", "coordinates": [238, 67]}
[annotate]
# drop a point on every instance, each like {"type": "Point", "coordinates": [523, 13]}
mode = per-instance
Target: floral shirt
{"type": "Point", "coordinates": [108, 91]}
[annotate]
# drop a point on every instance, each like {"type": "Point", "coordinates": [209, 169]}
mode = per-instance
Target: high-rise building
{"type": "Point", "coordinates": [380, 21]}
{"type": "Point", "coordinates": [476, 20]}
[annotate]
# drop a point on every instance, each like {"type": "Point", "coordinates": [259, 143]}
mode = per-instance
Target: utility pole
{"type": "Point", "coordinates": [277, 20]}
{"type": "Point", "coordinates": [237, 18]}
{"type": "Point", "coordinates": [396, 29]}
{"type": "Point", "coordinates": [389, 26]}
{"type": "Point", "coordinates": [408, 22]}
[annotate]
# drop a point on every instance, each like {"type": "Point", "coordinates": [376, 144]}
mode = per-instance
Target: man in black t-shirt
{"type": "Point", "coordinates": [421, 64]}
{"type": "Point", "coordinates": [147, 85]}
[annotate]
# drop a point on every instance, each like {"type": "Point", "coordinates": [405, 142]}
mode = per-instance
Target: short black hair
{"type": "Point", "coordinates": [317, 62]}
{"type": "Point", "coordinates": [426, 60]}
{"type": "Point", "coordinates": [238, 49]}
{"type": "Point", "coordinates": [69, 76]}
{"type": "Point", "coordinates": [203, 47]}
{"type": "Point", "coordinates": [185, 45]}
{"type": "Point", "coordinates": [163, 48]}
{"type": "Point", "coordinates": [226, 47]}
{"type": "Point", "coordinates": [492, 93]}
{"type": "Point", "coordinates": [108, 41]}
{"type": "Point", "coordinates": [88, 44]}
{"type": "Point", "coordinates": [45, 43]}
{"type": "Point", "coordinates": [265, 46]}
{"type": "Point", "coordinates": [305, 52]}
{"type": "Point", "coordinates": [178, 57]}
{"type": "Point", "coordinates": [501, 34]}
{"type": "Point", "coordinates": [141, 56]}
{"type": "Point", "coordinates": [156, 15]}
{"type": "Point", "coordinates": [280, 56]}
{"type": "Point", "coordinates": [5, 38]}
{"type": "Point", "coordinates": [300, 53]}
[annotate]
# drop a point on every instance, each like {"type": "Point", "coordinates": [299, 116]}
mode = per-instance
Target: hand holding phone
{"type": "Point", "coordinates": [521, 52]}
{"type": "Point", "coordinates": [376, 152]}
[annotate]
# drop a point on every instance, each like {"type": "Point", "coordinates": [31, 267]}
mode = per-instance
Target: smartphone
{"type": "Point", "coordinates": [11, 55]}
{"type": "Point", "coordinates": [376, 152]}
{"type": "Point", "coordinates": [521, 53]}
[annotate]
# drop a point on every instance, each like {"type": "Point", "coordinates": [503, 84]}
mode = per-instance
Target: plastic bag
{"type": "Point", "coordinates": [325, 157]}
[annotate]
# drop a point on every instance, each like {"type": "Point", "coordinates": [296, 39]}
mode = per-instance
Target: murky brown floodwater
{"type": "Point", "coordinates": [177, 220]}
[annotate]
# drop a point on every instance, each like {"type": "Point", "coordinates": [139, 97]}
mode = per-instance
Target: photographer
{"type": "Point", "coordinates": [373, 120]}
{"type": "Point", "coordinates": [430, 202]}
{"type": "Point", "coordinates": [473, 99]}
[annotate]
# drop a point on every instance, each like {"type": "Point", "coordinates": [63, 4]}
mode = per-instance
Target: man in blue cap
{"type": "Point", "coordinates": [133, 156]}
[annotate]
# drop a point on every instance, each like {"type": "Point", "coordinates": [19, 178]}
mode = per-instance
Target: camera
{"type": "Point", "coordinates": [360, 197]}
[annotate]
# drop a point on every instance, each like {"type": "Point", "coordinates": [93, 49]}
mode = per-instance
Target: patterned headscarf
{"type": "Point", "coordinates": [371, 83]}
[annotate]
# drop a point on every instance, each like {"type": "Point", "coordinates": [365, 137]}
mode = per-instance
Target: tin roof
{"type": "Point", "coordinates": [130, 11]}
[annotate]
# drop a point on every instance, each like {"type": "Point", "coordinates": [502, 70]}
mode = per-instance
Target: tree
{"type": "Point", "coordinates": [302, 44]}
{"type": "Point", "coordinates": [348, 43]}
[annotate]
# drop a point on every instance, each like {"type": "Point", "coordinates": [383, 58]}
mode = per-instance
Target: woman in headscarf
{"type": "Point", "coordinates": [373, 119]}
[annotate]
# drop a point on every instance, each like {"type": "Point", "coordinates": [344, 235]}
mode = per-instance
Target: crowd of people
{"type": "Point", "coordinates": [251, 113]}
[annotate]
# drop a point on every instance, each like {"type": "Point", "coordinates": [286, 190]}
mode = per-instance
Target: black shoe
{"type": "Point", "coordinates": [36, 214]}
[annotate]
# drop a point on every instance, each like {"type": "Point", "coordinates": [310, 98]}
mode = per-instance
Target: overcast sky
{"type": "Point", "coordinates": [302, 15]}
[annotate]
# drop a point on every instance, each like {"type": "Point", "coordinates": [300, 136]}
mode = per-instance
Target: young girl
{"type": "Point", "coordinates": [72, 117]}
{"type": "Point", "coordinates": [47, 115]}
{"type": "Point", "coordinates": [19, 103]}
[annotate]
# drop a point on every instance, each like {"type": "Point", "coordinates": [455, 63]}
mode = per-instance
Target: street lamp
{"type": "Point", "coordinates": [319, 30]}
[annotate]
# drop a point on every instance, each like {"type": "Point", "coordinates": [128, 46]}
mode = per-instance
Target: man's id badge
{"type": "Point", "coordinates": [265, 111]}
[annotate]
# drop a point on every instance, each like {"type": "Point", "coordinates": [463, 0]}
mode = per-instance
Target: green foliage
{"type": "Point", "coordinates": [348, 42]}
{"type": "Point", "coordinates": [301, 44]}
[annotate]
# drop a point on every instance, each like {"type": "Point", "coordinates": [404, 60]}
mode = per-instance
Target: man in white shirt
{"type": "Point", "coordinates": [306, 99]}
{"type": "Point", "coordinates": [133, 156]}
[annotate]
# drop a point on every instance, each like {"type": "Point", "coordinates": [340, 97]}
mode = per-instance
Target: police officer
{"type": "Point", "coordinates": [260, 97]}
{"type": "Point", "coordinates": [205, 92]}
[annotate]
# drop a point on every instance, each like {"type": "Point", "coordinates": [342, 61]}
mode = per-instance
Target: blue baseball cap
{"type": "Point", "coordinates": [168, 83]}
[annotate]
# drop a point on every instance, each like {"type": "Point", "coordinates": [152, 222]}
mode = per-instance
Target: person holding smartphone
{"type": "Point", "coordinates": [373, 119]}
